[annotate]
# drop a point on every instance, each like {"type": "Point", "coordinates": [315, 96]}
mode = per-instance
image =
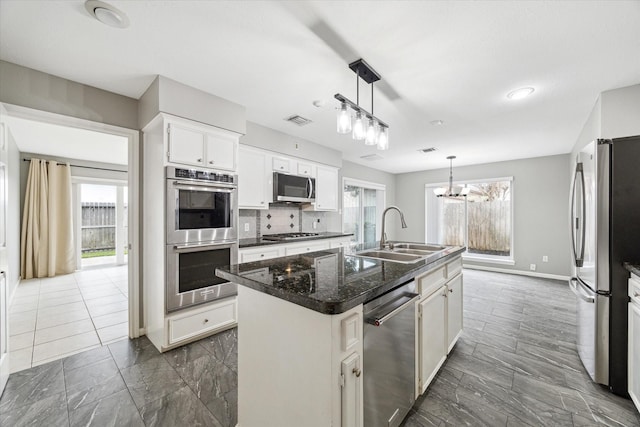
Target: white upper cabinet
{"type": "Point", "coordinates": [203, 146]}
{"type": "Point", "coordinates": [326, 189]}
{"type": "Point", "coordinates": [254, 179]}
{"type": "Point", "coordinates": [306, 169]}
{"type": "Point", "coordinates": [281, 164]}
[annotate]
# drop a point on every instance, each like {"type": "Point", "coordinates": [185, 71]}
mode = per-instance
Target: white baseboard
{"type": "Point", "coordinates": [519, 272]}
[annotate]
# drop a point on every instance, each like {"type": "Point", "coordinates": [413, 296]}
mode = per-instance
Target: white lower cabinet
{"type": "Point", "coordinates": [634, 340]}
{"type": "Point", "coordinates": [204, 320]}
{"type": "Point", "coordinates": [351, 398]}
{"type": "Point", "coordinates": [454, 311]}
{"type": "Point", "coordinates": [439, 319]}
{"type": "Point", "coordinates": [432, 330]}
{"type": "Point", "coordinates": [259, 254]}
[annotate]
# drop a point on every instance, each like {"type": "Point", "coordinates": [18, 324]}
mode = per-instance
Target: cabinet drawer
{"type": "Point", "coordinates": [432, 281]}
{"type": "Point", "coordinates": [309, 247]}
{"type": "Point", "coordinates": [340, 244]}
{"type": "Point", "coordinates": [218, 316]}
{"type": "Point", "coordinates": [351, 332]}
{"type": "Point", "coordinates": [281, 165]}
{"type": "Point", "coordinates": [259, 255]}
{"type": "Point", "coordinates": [453, 268]}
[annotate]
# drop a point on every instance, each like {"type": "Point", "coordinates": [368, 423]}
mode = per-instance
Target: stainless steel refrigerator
{"type": "Point", "coordinates": [605, 229]}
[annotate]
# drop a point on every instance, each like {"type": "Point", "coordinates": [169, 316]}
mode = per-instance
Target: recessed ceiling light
{"type": "Point", "coordinates": [107, 14]}
{"type": "Point", "coordinates": [523, 92]}
{"type": "Point", "coordinates": [436, 122]}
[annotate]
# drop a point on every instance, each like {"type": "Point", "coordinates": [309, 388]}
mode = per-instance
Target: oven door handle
{"type": "Point", "coordinates": [193, 248]}
{"type": "Point", "coordinates": [217, 188]}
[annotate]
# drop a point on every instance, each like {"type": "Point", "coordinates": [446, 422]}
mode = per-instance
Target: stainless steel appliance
{"type": "Point", "coordinates": [605, 232]}
{"type": "Point", "coordinates": [288, 236]}
{"type": "Point", "coordinates": [201, 206]}
{"type": "Point", "coordinates": [293, 188]}
{"type": "Point", "coordinates": [201, 235]}
{"type": "Point", "coordinates": [191, 277]}
{"type": "Point", "coordinates": [389, 356]}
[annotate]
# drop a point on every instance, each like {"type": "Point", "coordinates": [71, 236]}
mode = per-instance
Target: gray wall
{"type": "Point", "coordinates": [168, 96]}
{"type": "Point", "coordinates": [269, 139]}
{"type": "Point", "coordinates": [541, 200]}
{"type": "Point", "coordinates": [40, 91]}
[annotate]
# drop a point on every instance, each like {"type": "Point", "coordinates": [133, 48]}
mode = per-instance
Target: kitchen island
{"type": "Point", "coordinates": [300, 334]}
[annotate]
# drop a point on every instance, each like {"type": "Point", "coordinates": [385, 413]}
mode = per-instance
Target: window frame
{"type": "Point", "coordinates": [494, 259]}
{"type": "Point", "coordinates": [379, 205]}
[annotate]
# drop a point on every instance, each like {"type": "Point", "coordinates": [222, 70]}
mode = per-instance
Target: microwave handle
{"type": "Point", "coordinates": [310, 187]}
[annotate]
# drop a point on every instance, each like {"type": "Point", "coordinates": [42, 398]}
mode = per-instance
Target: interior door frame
{"type": "Point", "coordinates": [136, 328]}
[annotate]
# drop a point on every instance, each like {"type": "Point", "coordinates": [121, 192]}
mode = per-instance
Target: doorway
{"type": "Point", "coordinates": [104, 295]}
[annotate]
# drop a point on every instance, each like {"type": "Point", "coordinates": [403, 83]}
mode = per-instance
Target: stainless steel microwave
{"type": "Point", "coordinates": [293, 188]}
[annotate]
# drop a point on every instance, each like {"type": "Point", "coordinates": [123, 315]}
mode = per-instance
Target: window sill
{"type": "Point", "coordinates": [488, 260]}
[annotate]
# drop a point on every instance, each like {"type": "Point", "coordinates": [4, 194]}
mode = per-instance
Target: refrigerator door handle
{"type": "Point", "coordinates": [578, 289]}
{"type": "Point", "coordinates": [575, 221]}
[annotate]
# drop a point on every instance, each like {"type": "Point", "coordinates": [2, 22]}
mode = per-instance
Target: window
{"type": "Point", "coordinates": [482, 221]}
{"type": "Point", "coordinates": [362, 208]}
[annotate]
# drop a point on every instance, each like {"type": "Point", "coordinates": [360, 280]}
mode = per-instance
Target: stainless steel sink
{"type": "Point", "coordinates": [412, 251]}
{"type": "Point", "coordinates": [406, 253]}
{"type": "Point", "coordinates": [418, 246]}
{"type": "Point", "coordinates": [390, 256]}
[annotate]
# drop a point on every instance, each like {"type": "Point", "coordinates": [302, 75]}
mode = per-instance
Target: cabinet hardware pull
{"type": "Point", "coordinates": [210, 162]}
{"type": "Point", "coordinates": [199, 160]}
{"type": "Point", "coordinates": [261, 255]}
{"type": "Point", "coordinates": [451, 290]}
{"type": "Point", "coordinates": [206, 320]}
{"type": "Point", "coordinates": [635, 294]}
{"type": "Point", "coordinates": [357, 371]}
{"type": "Point", "coordinates": [262, 203]}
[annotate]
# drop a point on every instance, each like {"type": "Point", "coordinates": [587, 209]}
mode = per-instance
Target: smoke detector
{"type": "Point", "coordinates": [107, 14]}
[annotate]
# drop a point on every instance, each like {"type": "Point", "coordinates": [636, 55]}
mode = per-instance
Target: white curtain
{"type": "Point", "coordinates": [46, 245]}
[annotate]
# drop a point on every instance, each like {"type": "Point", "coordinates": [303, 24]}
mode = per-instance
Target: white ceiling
{"type": "Point", "coordinates": [72, 143]}
{"type": "Point", "coordinates": [453, 61]}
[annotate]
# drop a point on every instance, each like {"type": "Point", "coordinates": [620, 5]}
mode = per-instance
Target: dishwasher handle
{"type": "Point", "coordinates": [390, 309]}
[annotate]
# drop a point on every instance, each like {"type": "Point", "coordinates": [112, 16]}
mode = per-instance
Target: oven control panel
{"type": "Point", "coordinates": [201, 175]}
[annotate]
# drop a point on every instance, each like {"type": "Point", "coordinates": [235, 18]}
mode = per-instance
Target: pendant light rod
{"type": "Point", "coordinates": [372, 98]}
{"type": "Point", "coordinates": [451, 173]}
{"type": "Point", "coordinates": [358, 87]}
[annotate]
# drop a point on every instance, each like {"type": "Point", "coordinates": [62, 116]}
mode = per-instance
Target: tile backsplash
{"type": "Point", "coordinates": [286, 219]}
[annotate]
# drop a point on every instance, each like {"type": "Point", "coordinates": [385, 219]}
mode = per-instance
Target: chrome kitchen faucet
{"type": "Point", "coordinates": [383, 237]}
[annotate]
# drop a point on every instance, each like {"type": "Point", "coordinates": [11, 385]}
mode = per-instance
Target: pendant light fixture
{"type": "Point", "coordinates": [366, 126]}
{"type": "Point", "coordinates": [451, 191]}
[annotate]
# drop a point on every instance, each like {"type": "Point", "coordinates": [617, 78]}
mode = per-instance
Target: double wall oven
{"type": "Point", "coordinates": [202, 235]}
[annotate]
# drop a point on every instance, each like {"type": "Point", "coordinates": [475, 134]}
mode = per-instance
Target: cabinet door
{"type": "Point", "coordinates": [634, 353]}
{"type": "Point", "coordinates": [186, 145]}
{"type": "Point", "coordinates": [306, 169]}
{"type": "Point", "coordinates": [432, 349]}
{"type": "Point", "coordinates": [351, 391]}
{"type": "Point", "coordinates": [253, 180]}
{"type": "Point", "coordinates": [221, 151]}
{"type": "Point", "coordinates": [326, 189]}
{"type": "Point", "coordinates": [454, 311]}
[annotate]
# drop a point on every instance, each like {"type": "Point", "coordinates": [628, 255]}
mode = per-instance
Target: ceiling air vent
{"type": "Point", "coordinates": [372, 157]}
{"type": "Point", "coordinates": [427, 150]}
{"type": "Point", "coordinates": [298, 120]}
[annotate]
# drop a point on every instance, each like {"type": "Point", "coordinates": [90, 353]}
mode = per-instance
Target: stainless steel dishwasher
{"type": "Point", "coordinates": [389, 357]}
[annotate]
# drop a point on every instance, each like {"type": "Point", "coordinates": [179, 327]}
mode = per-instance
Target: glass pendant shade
{"type": "Point", "coordinates": [383, 138]}
{"type": "Point", "coordinates": [372, 133]}
{"type": "Point", "coordinates": [358, 127]}
{"type": "Point", "coordinates": [344, 119]}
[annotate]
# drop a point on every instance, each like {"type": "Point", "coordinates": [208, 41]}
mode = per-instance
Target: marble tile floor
{"type": "Point", "coordinates": [515, 365]}
{"type": "Point", "coordinates": [129, 383]}
{"type": "Point", "coordinates": [55, 317]}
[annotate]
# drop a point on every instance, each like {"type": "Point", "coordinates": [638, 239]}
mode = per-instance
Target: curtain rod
{"type": "Point", "coordinates": [85, 167]}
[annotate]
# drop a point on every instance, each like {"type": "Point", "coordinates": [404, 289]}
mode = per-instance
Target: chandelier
{"type": "Point", "coordinates": [363, 125]}
{"type": "Point", "coordinates": [451, 191]}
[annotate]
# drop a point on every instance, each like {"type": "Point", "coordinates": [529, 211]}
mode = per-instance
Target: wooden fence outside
{"type": "Point", "coordinates": [99, 226]}
{"type": "Point", "coordinates": [489, 230]}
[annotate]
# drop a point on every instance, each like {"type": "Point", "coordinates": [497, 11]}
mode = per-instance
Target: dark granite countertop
{"type": "Point", "coordinates": [251, 242]}
{"type": "Point", "coordinates": [633, 267]}
{"type": "Point", "coordinates": [330, 281]}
